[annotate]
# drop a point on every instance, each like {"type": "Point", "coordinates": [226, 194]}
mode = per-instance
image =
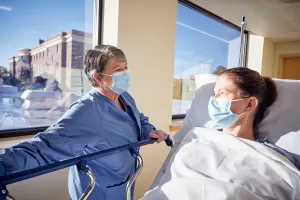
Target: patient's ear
{"type": "Point", "coordinates": [252, 104]}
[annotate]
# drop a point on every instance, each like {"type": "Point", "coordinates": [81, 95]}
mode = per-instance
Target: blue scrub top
{"type": "Point", "coordinates": [93, 123]}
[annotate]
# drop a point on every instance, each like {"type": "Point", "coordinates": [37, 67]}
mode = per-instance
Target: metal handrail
{"type": "Point", "coordinates": [9, 197]}
{"type": "Point", "coordinates": [24, 175]}
{"type": "Point", "coordinates": [91, 186]}
{"type": "Point", "coordinates": [81, 163]}
{"type": "Point", "coordinates": [134, 177]}
{"type": "Point", "coordinates": [31, 173]}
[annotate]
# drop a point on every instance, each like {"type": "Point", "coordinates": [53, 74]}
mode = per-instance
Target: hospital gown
{"type": "Point", "coordinates": [93, 123]}
{"type": "Point", "coordinates": [295, 160]}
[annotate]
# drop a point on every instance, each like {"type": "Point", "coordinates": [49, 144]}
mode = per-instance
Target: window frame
{"type": "Point", "coordinates": [218, 19]}
{"type": "Point", "coordinates": [97, 40]}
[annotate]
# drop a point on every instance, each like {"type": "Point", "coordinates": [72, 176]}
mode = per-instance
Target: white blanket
{"type": "Point", "coordinates": [213, 165]}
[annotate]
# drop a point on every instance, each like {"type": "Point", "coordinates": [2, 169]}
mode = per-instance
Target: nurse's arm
{"type": "Point", "coordinates": [65, 139]}
{"type": "Point", "coordinates": [147, 128]}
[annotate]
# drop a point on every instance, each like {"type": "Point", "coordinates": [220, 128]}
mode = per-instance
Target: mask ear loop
{"type": "Point", "coordinates": [92, 74]}
{"type": "Point", "coordinates": [105, 74]}
{"type": "Point", "coordinates": [240, 100]}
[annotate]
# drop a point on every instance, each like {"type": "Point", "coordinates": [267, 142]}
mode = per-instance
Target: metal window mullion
{"type": "Point", "coordinates": [243, 50]}
{"type": "Point", "coordinates": [97, 22]}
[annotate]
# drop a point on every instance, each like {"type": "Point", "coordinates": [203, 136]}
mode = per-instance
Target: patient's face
{"type": "Point", "coordinates": [225, 88]}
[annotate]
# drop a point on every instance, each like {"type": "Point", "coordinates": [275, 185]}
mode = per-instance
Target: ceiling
{"type": "Point", "coordinates": [272, 19]}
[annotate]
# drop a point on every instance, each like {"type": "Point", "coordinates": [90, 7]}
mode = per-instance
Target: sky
{"type": "Point", "coordinates": [24, 22]}
{"type": "Point", "coordinates": [201, 42]}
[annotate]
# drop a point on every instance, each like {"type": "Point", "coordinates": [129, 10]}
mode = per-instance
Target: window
{"type": "Point", "coordinates": [204, 46]}
{"type": "Point", "coordinates": [24, 114]}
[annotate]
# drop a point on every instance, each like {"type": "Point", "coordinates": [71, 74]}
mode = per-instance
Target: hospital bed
{"type": "Point", "coordinates": [281, 124]}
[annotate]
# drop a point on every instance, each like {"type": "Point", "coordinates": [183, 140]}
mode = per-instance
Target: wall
{"type": "Point", "coordinates": [255, 52]}
{"type": "Point", "coordinates": [47, 187]}
{"type": "Point", "coordinates": [233, 52]}
{"type": "Point", "coordinates": [268, 58]}
{"type": "Point", "coordinates": [145, 31]}
{"type": "Point", "coordinates": [286, 49]}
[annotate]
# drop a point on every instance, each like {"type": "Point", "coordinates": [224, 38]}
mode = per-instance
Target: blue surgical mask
{"type": "Point", "coordinates": [120, 81]}
{"type": "Point", "coordinates": [220, 113]}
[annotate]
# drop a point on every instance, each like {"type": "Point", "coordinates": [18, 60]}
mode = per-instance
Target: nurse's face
{"type": "Point", "coordinates": [225, 88]}
{"type": "Point", "coordinates": [113, 66]}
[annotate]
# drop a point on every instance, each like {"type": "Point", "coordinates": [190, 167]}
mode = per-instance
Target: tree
{"type": "Point", "coordinates": [4, 75]}
{"type": "Point", "coordinates": [219, 70]}
{"type": "Point", "coordinates": [3, 71]}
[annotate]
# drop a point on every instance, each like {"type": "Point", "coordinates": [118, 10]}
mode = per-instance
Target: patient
{"type": "Point", "coordinates": [241, 97]}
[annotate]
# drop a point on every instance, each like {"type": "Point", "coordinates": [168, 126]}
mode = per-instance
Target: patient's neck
{"type": "Point", "coordinates": [242, 130]}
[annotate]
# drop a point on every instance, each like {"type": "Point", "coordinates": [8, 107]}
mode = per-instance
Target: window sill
{"type": "Point", "coordinates": [11, 141]}
{"type": "Point", "coordinates": [20, 132]}
{"type": "Point", "coordinates": [176, 125]}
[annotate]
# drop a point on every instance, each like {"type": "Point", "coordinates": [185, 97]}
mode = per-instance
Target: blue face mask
{"type": "Point", "coordinates": [220, 113]}
{"type": "Point", "coordinates": [120, 81]}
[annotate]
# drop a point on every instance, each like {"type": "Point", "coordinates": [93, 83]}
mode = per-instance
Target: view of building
{"type": "Point", "coordinates": [20, 65]}
{"type": "Point", "coordinates": [59, 57]}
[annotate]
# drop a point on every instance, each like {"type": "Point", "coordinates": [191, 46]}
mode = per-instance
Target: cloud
{"type": "Point", "coordinates": [5, 8]}
{"type": "Point", "coordinates": [202, 32]}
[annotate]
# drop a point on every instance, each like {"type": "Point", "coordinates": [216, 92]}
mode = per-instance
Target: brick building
{"type": "Point", "coordinates": [20, 66]}
{"type": "Point", "coordinates": [59, 57]}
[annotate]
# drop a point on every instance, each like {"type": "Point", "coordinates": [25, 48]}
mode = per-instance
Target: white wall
{"type": "Point", "coordinates": [146, 33]}
{"type": "Point", "coordinates": [268, 58]}
{"type": "Point", "coordinates": [255, 52]}
{"type": "Point", "coordinates": [261, 52]}
{"type": "Point", "coordinates": [46, 187]}
{"type": "Point", "coordinates": [233, 53]}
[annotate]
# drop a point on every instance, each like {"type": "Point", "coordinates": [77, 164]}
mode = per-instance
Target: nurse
{"type": "Point", "coordinates": [104, 118]}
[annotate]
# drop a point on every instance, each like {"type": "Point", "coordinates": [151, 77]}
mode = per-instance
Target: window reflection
{"type": "Point", "coordinates": [42, 67]}
{"type": "Point", "coordinates": [204, 47]}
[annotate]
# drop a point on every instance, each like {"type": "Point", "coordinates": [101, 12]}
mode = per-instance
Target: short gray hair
{"type": "Point", "coordinates": [96, 59]}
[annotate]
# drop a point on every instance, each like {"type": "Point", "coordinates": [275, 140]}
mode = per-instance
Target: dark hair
{"type": "Point", "coordinates": [251, 83]}
{"type": "Point", "coordinates": [97, 58]}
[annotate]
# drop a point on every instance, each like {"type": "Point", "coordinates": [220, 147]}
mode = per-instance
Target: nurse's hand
{"type": "Point", "coordinates": [159, 135]}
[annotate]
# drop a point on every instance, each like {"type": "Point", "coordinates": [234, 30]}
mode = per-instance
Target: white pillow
{"type": "Point", "coordinates": [197, 114]}
{"type": "Point", "coordinates": [281, 123]}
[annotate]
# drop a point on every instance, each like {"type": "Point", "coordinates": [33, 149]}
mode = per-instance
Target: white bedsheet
{"type": "Point", "coordinates": [214, 165]}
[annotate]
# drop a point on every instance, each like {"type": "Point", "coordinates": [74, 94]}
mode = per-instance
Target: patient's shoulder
{"type": "Point", "coordinates": [290, 156]}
